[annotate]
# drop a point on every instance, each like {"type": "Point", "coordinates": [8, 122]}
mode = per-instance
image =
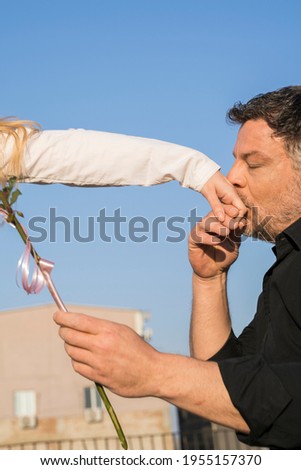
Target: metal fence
{"type": "Point", "coordinates": [216, 437]}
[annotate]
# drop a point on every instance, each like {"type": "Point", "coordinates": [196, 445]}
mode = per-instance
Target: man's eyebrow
{"type": "Point", "coordinates": [255, 153]}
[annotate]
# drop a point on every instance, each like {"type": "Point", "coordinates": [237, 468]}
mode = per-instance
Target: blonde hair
{"type": "Point", "coordinates": [20, 131]}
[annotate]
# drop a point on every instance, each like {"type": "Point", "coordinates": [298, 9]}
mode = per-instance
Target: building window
{"type": "Point", "coordinates": [93, 405]}
{"type": "Point", "coordinates": [25, 408]}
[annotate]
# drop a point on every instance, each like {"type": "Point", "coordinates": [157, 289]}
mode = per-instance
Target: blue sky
{"type": "Point", "coordinates": [162, 69]}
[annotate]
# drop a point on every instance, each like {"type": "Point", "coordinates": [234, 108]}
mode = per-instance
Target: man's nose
{"type": "Point", "coordinates": [236, 175]}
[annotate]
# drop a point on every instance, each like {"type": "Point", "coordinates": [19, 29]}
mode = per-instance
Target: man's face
{"type": "Point", "coordinates": [265, 180]}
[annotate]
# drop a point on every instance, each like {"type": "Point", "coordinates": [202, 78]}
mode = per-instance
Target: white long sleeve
{"type": "Point", "coordinates": [91, 158]}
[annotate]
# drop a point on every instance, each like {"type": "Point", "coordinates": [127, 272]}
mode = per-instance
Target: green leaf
{"type": "Point", "coordinates": [3, 197]}
{"type": "Point", "coordinates": [20, 214]}
{"type": "Point", "coordinates": [11, 182]}
{"type": "Point", "coordinates": [14, 196]}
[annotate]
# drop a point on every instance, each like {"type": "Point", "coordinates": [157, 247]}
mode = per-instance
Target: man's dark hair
{"type": "Point", "coordinates": [281, 109]}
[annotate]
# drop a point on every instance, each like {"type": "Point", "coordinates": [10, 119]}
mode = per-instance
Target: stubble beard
{"type": "Point", "coordinates": [266, 223]}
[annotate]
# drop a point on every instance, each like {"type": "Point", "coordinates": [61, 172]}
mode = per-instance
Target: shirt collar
{"type": "Point", "coordinates": [288, 240]}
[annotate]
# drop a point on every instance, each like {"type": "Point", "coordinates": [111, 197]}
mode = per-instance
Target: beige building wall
{"type": "Point", "coordinates": [32, 357]}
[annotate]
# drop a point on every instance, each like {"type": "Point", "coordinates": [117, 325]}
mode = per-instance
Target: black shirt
{"type": "Point", "coordinates": [261, 369]}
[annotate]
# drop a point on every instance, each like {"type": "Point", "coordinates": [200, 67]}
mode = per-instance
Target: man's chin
{"type": "Point", "coordinates": [257, 233]}
{"type": "Point", "coordinates": [258, 226]}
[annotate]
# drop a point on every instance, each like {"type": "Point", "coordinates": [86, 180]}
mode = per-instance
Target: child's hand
{"type": "Point", "coordinates": [223, 198]}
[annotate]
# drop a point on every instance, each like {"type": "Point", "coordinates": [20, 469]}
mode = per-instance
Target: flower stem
{"type": "Point", "coordinates": [99, 387]}
{"type": "Point", "coordinates": [24, 237]}
{"type": "Point", "coordinates": [113, 415]}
